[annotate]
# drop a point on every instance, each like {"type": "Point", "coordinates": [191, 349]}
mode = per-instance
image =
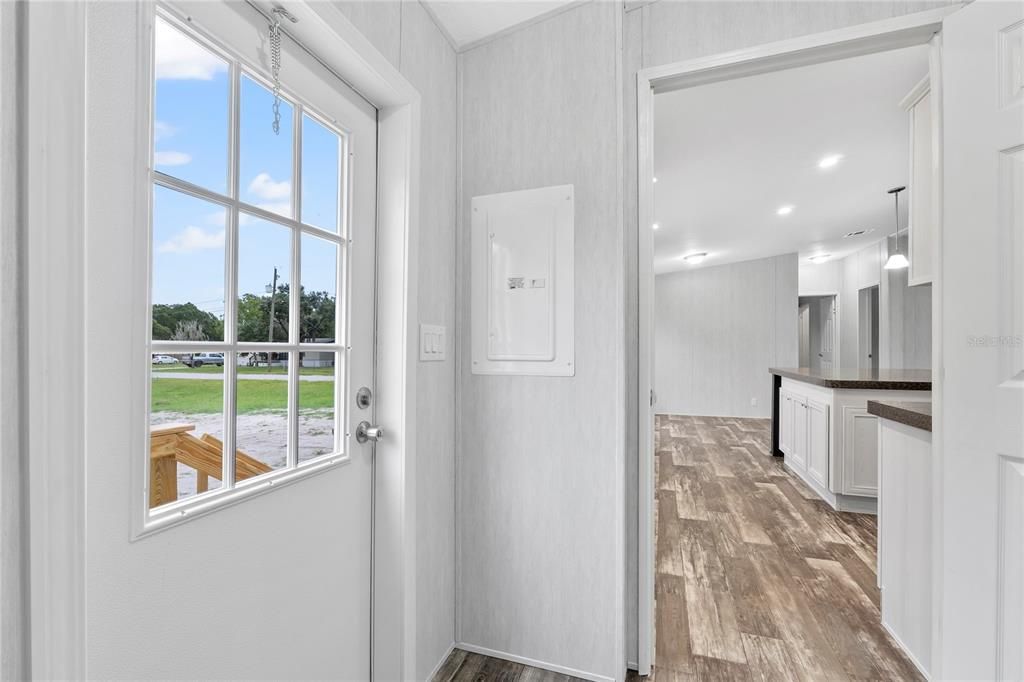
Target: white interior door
{"type": "Point", "coordinates": [981, 552]}
{"type": "Point", "coordinates": [201, 565]}
{"type": "Point", "coordinates": [828, 331]}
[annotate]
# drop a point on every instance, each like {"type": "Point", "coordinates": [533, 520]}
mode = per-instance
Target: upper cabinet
{"type": "Point", "coordinates": [923, 194]}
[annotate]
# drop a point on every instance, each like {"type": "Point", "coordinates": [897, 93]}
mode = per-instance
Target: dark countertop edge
{"type": "Point", "coordinates": [902, 412]}
{"type": "Point", "coordinates": [866, 384]}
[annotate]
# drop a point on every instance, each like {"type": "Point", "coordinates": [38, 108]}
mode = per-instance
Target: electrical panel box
{"type": "Point", "coordinates": [522, 282]}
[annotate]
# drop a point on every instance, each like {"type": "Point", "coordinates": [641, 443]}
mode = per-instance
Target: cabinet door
{"type": "Point", "coordinates": [798, 459]}
{"type": "Point", "coordinates": [785, 422]}
{"type": "Point", "coordinates": [860, 452]}
{"type": "Point", "coordinates": [817, 442]}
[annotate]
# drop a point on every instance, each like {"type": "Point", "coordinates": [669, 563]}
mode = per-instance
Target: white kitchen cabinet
{"type": "Point", "coordinates": [799, 457]}
{"type": "Point", "coordinates": [830, 440]}
{"type": "Point", "coordinates": [804, 436]}
{"type": "Point", "coordinates": [860, 442]}
{"type": "Point", "coordinates": [817, 441]}
{"type": "Point", "coordinates": [785, 422]}
{"type": "Point", "coordinates": [922, 188]}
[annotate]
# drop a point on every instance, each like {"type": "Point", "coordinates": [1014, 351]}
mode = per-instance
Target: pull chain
{"type": "Point", "coordinates": [275, 61]}
{"type": "Point", "coordinates": [275, 69]}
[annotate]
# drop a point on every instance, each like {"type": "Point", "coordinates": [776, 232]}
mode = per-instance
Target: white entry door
{"type": "Point", "coordinates": [981, 421]}
{"type": "Point", "coordinates": [230, 275]}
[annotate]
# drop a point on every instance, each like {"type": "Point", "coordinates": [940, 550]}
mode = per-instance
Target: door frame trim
{"type": "Point", "coordinates": [878, 36]}
{"type": "Point", "coordinates": [55, 164]}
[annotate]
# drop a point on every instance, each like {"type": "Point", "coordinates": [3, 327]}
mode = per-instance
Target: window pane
{"type": "Point", "coordinates": [265, 158]}
{"type": "Point", "coordinates": [321, 183]}
{"type": "Point", "coordinates": [188, 267]}
{"type": "Point", "coordinates": [186, 430]}
{"type": "Point", "coordinates": [191, 95]}
{"type": "Point", "coordinates": [264, 266]}
{"type": "Point", "coordinates": [316, 405]}
{"type": "Point", "coordinates": [261, 433]}
{"type": "Point", "coordinates": [319, 290]}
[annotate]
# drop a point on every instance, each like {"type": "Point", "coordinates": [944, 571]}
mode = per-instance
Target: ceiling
{"type": "Point", "coordinates": [468, 21]}
{"type": "Point", "coordinates": [728, 155]}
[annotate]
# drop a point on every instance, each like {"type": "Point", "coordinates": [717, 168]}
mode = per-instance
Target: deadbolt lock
{"type": "Point", "coordinates": [364, 397]}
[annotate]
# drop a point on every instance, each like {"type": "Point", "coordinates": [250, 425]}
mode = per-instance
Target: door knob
{"type": "Point", "coordinates": [366, 431]}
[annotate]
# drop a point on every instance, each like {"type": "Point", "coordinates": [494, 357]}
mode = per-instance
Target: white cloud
{"type": "Point", "coordinates": [162, 129]}
{"type": "Point", "coordinates": [192, 239]}
{"type": "Point", "coordinates": [178, 57]}
{"type": "Point", "coordinates": [172, 158]}
{"type": "Point", "coordinates": [265, 187]}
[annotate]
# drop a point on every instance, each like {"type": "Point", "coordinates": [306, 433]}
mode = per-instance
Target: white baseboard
{"type": "Point", "coordinates": [433, 673]}
{"type": "Point", "coordinates": [858, 504]}
{"type": "Point", "coordinates": [913, 659]}
{"type": "Point", "coordinates": [473, 648]}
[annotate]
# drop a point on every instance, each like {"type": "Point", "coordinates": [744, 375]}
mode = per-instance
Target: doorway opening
{"type": "Point", "coordinates": [734, 279]}
{"type": "Point", "coordinates": [867, 328]}
{"type": "Point", "coordinates": [817, 320]}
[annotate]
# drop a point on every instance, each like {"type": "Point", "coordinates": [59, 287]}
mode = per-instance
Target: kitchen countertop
{"type": "Point", "coordinates": [916, 414]}
{"type": "Point", "coordinates": [882, 379]}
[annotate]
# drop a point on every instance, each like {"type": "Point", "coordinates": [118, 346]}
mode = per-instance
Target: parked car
{"type": "Point", "coordinates": [164, 360]}
{"type": "Point", "coordinates": [200, 359]}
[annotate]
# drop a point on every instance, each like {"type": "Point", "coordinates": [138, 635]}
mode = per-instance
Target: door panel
{"type": "Point", "coordinates": [860, 452]}
{"type": "Point", "coordinates": [981, 409]}
{"type": "Point", "coordinates": [278, 584]}
{"type": "Point", "coordinates": [817, 442]}
{"type": "Point", "coordinates": [799, 449]}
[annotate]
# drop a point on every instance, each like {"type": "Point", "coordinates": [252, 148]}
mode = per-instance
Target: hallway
{"type": "Point", "coordinates": [756, 577]}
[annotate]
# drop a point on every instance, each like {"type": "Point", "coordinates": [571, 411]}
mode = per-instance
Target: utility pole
{"type": "Point", "coordinates": [270, 327]}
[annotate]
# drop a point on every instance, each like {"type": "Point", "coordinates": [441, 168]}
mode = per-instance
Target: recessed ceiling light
{"type": "Point", "coordinates": [785, 210]}
{"type": "Point", "coordinates": [830, 160]}
{"type": "Point", "coordinates": [655, 226]}
{"type": "Point", "coordinates": [694, 258]}
{"type": "Point", "coordinates": [820, 258]}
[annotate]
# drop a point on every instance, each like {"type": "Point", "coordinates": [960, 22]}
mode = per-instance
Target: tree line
{"type": "Point", "coordinates": [186, 322]}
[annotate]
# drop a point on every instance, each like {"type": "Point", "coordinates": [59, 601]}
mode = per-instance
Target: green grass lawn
{"type": "Point", "coordinates": [189, 396]}
{"type": "Point", "coordinates": [213, 369]}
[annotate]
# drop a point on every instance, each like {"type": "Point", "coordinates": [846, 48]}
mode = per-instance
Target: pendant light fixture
{"type": "Point", "coordinates": [897, 261]}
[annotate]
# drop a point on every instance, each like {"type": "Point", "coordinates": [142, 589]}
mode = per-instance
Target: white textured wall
{"type": "Point", "coordinates": [408, 37]}
{"type": "Point", "coordinates": [540, 518]}
{"type": "Point", "coordinates": [816, 280]}
{"type": "Point", "coordinates": [717, 330]}
{"type": "Point", "coordinates": [907, 318]}
{"type": "Point", "coordinates": [13, 498]}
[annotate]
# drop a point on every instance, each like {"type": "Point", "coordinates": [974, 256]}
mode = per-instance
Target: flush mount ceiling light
{"type": "Point", "coordinates": [655, 179]}
{"type": "Point", "coordinates": [830, 160]}
{"type": "Point", "coordinates": [655, 226]}
{"type": "Point", "coordinates": [785, 210]}
{"type": "Point", "coordinates": [820, 258]}
{"type": "Point", "coordinates": [694, 258]}
{"type": "Point", "coordinates": [897, 261]}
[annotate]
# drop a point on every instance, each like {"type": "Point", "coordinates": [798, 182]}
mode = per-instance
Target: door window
{"type": "Point", "coordinates": [249, 243]}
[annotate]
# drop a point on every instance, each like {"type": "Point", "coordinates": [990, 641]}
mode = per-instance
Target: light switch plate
{"type": "Point", "coordinates": [432, 343]}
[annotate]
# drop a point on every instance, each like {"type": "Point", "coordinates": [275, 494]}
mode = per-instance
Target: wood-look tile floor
{"type": "Point", "coordinates": [757, 578]}
{"type": "Point", "coordinates": [462, 666]}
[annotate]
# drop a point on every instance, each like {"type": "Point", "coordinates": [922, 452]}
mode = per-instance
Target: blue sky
{"type": "Point", "coordinates": [191, 143]}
